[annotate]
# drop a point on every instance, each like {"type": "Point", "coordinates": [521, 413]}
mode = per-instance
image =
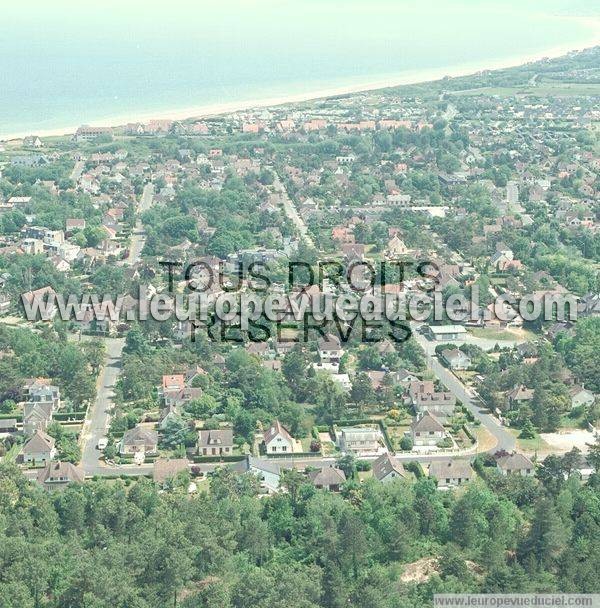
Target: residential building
{"type": "Point", "coordinates": [56, 475]}
{"type": "Point", "coordinates": [278, 440]}
{"type": "Point", "coordinates": [515, 464]}
{"type": "Point", "coordinates": [40, 447]}
{"type": "Point", "coordinates": [360, 440]}
{"type": "Point", "coordinates": [426, 430]}
{"type": "Point", "coordinates": [328, 478]}
{"type": "Point", "coordinates": [215, 442]}
{"type": "Point", "coordinates": [139, 440]}
{"type": "Point", "coordinates": [450, 473]}
{"type": "Point", "coordinates": [387, 468]}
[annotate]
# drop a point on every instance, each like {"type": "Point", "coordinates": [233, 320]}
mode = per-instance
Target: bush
{"type": "Point", "coordinates": [363, 465]}
{"type": "Point", "coordinates": [406, 444]}
{"type": "Point", "coordinates": [315, 446]}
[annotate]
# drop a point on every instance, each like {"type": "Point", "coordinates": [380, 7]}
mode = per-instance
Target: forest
{"type": "Point", "coordinates": [131, 544]}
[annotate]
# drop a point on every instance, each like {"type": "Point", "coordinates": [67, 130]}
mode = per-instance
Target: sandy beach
{"type": "Point", "coordinates": [406, 78]}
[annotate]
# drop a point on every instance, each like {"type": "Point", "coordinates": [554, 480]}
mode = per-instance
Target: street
{"type": "Point", "coordinates": [96, 424]}
{"type": "Point", "coordinates": [138, 236]}
{"type": "Point", "coordinates": [504, 439]}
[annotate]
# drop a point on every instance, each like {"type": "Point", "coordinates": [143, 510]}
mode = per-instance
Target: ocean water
{"type": "Point", "coordinates": [67, 62]}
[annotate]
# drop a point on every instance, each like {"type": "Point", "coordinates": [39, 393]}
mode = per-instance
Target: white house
{"type": "Point", "coordinates": [360, 440]}
{"type": "Point", "coordinates": [39, 448]}
{"type": "Point", "coordinates": [450, 473]}
{"type": "Point", "coordinates": [455, 358]}
{"type": "Point", "coordinates": [387, 468]}
{"type": "Point", "coordinates": [515, 464]}
{"type": "Point", "coordinates": [446, 333]}
{"type": "Point", "coordinates": [278, 440]}
{"type": "Point", "coordinates": [427, 430]}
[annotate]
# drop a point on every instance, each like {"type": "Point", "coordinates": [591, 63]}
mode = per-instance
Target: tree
{"type": "Point", "coordinates": [347, 463]}
{"type": "Point", "coordinates": [362, 391]}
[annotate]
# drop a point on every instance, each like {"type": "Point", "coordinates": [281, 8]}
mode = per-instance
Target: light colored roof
{"type": "Point", "coordinates": [39, 442]}
{"type": "Point", "coordinates": [385, 464]}
{"type": "Point", "coordinates": [450, 469]}
{"type": "Point", "coordinates": [138, 433]}
{"type": "Point", "coordinates": [427, 423]}
{"type": "Point", "coordinates": [168, 467]}
{"type": "Point", "coordinates": [328, 476]}
{"type": "Point", "coordinates": [514, 462]}
{"type": "Point", "coordinates": [447, 329]}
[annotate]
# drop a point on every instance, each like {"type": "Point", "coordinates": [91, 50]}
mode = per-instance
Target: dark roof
{"type": "Point", "coordinates": [215, 438]}
{"type": "Point", "coordinates": [60, 472]}
{"type": "Point", "coordinates": [328, 476]}
{"type": "Point", "coordinates": [385, 464]}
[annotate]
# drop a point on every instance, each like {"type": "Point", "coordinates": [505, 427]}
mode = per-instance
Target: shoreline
{"type": "Point", "coordinates": [407, 78]}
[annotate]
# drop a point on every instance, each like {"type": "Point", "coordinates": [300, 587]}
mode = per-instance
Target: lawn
{"type": "Point", "coordinates": [501, 334]}
{"type": "Point", "coordinates": [529, 446]}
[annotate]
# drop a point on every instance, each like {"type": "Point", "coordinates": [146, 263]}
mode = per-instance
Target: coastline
{"type": "Point", "coordinates": [405, 78]}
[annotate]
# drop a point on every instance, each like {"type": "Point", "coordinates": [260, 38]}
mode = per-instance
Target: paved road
{"type": "Point", "coordinates": [504, 439]}
{"type": "Point", "coordinates": [77, 170]}
{"type": "Point", "coordinates": [138, 235]}
{"type": "Point", "coordinates": [291, 211]}
{"type": "Point", "coordinates": [96, 423]}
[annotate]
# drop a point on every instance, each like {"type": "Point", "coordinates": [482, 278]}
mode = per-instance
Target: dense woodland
{"type": "Point", "coordinates": [124, 544]}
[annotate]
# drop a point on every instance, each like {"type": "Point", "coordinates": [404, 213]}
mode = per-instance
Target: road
{"type": "Point", "coordinates": [292, 212]}
{"type": "Point", "coordinates": [504, 439]}
{"type": "Point", "coordinates": [138, 235]}
{"type": "Point", "coordinates": [96, 423]}
{"type": "Point", "coordinates": [77, 171]}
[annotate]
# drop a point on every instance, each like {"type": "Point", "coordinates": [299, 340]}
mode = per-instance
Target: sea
{"type": "Point", "coordinates": [66, 62]}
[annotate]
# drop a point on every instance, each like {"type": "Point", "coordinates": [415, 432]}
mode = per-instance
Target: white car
{"type": "Point", "coordinates": [102, 443]}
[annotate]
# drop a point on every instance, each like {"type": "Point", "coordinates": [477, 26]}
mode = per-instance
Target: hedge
{"type": "Point", "coordinates": [217, 459]}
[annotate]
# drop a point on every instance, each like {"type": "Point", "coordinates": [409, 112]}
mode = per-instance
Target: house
{"type": "Point", "coordinates": [396, 247]}
{"type": "Point", "coordinates": [57, 475]}
{"type": "Point", "coordinates": [330, 349]}
{"type": "Point", "coordinates": [426, 430]}
{"type": "Point", "coordinates": [167, 468]}
{"type": "Point", "coordinates": [450, 473]}
{"type": "Point", "coordinates": [446, 333]}
{"type": "Point", "coordinates": [360, 440]}
{"type": "Point", "coordinates": [278, 440]}
{"type": "Point", "coordinates": [215, 442]}
{"type": "Point", "coordinates": [328, 478]}
{"type": "Point", "coordinates": [403, 376]}
{"type": "Point", "coordinates": [32, 141]}
{"type": "Point", "coordinates": [581, 396]}
{"type": "Point", "coordinates": [139, 440]}
{"type": "Point", "coordinates": [387, 468]}
{"type": "Point", "coordinates": [267, 471]}
{"type": "Point", "coordinates": [440, 404]}
{"type": "Point", "coordinates": [456, 359]}
{"type": "Point", "coordinates": [167, 414]}
{"type": "Point", "coordinates": [8, 425]}
{"type": "Point", "coordinates": [40, 447]}
{"type": "Point", "coordinates": [518, 395]}
{"type": "Point", "coordinates": [515, 464]}
{"type": "Point", "coordinates": [36, 417]}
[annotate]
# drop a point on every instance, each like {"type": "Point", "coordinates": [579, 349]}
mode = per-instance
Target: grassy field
{"type": "Point", "coordinates": [530, 446]}
{"type": "Point", "coordinates": [501, 334]}
{"type": "Point", "coordinates": [545, 89]}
